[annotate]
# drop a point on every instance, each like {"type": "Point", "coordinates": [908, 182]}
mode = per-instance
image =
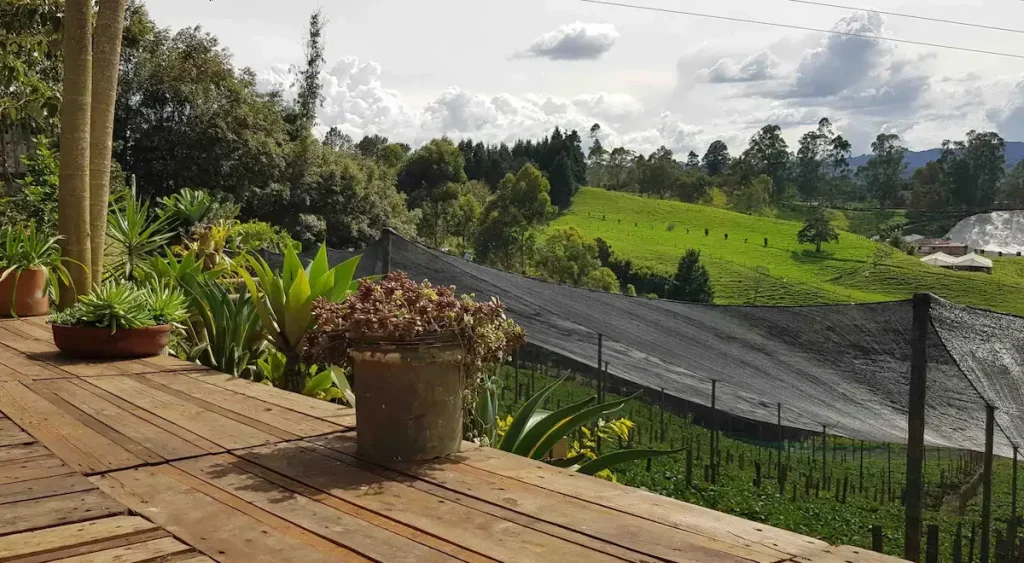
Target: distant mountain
{"type": "Point", "coordinates": [915, 160]}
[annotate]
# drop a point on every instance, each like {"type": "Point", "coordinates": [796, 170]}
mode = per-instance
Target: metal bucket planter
{"type": "Point", "coordinates": [99, 342]}
{"type": "Point", "coordinates": [26, 290]}
{"type": "Point", "coordinates": [408, 398]}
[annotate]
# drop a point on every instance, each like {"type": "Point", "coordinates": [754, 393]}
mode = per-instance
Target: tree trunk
{"type": "Point", "coordinates": [107, 61]}
{"type": "Point", "coordinates": [817, 246]}
{"type": "Point", "coordinates": [73, 194]}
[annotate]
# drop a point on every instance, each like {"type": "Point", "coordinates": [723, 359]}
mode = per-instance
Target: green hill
{"type": "Point", "coordinates": [656, 233]}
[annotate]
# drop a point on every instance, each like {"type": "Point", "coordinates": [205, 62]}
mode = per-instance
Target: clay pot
{"type": "Point", "coordinates": [99, 342]}
{"type": "Point", "coordinates": [29, 292]}
{"type": "Point", "coordinates": [408, 399]}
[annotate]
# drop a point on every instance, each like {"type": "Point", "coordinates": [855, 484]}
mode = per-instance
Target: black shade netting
{"type": "Point", "coordinates": [845, 367]}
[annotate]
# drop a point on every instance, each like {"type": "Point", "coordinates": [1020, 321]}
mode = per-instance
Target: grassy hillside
{"type": "Point", "coordinates": [656, 233]}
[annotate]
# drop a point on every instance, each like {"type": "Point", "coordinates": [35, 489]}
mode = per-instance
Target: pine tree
{"type": "Point", "coordinates": [562, 185]}
{"type": "Point", "coordinates": [692, 282]}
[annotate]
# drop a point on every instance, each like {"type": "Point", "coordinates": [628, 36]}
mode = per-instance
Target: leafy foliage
{"type": "Point", "coordinates": [716, 159]}
{"type": "Point", "coordinates": [23, 248]}
{"type": "Point", "coordinates": [37, 200]}
{"type": "Point", "coordinates": [521, 203]}
{"type": "Point", "coordinates": [817, 230]}
{"type": "Point", "coordinates": [431, 168]}
{"type": "Point", "coordinates": [396, 309]}
{"type": "Point", "coordinates": [567, 257]}
{"type": "Point", "coordinates": [225, 328]}
{"type": "Point", "coordinates": [534, 433]}
{"type": "Point", "coordinates": [125, 305]}
{"type": "Point", "coordinates": [284, 301]}
{"type": "Point", "coordinates": [884, 174]}
{"type": "Point", "coordinates": [692, 281]}
{"type": "Point", "coordinates": [134, 236]}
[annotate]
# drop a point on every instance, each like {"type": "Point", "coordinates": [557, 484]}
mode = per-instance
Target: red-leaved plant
{"type": "Point", "coordinates": [396, 309]}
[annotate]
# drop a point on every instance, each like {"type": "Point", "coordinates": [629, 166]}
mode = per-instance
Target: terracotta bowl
{"type": "Point", "coordinates": [99, 342]}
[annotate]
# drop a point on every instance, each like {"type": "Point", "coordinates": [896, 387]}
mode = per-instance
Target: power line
{"type": "Point", "coordinates": [804, 28]}
{"type": "Point", "coordinates": [911, 16]}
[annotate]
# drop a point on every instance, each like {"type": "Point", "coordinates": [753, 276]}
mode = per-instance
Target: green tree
{"type": "Point", "coordinates": [692, 282]}
{"type": "Point", "coordinates": [563, 187]}
{"type": "Point", "coordinates": [692, 160]}
{"type": "Point", "coordinates": [310, 96]}
{"type": "Point", "coordinates": [926, 192]}
{"type": "Point", "coordinates": [716, 160]}
{"type": "Point", "coordinates": [753, 197]}
{"type": "Point", "coordinates": [186, 118]}
{"type": "Point", "coordinates": [430, 168]}
{"type": "Point", "coordinates": [452, 212]}
{"type": "Point", "coordinates": [768, 154]}
{"type": "Point", "coordinates": [658, 173]}
{"type": "Point", "coordinates": [336, 140]}
{"type": "Point", "coordinates": [567, 257]}
{"type": "Point", "coordinates": [1011, 190]}
{"type": "Point", "coordinates": [692, 185]}
{"type": "Point", "coordinates": [621, 174]}
{"type": "Point", "coordinates": [821, 160]}
{"type": "Point", "coordinates": [972, 169]}
{"type": "Point", "coordinates": [506, 229]}
{"type": "Point", "coordinates": [884, 172]}
{"type": "Point", "coordinates": [30, 76]}
{"type": "Point", "coordinates": [817, 229]}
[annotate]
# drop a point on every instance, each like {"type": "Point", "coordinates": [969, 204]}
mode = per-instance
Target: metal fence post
{"type": "Point", "coordinates": [915, 425]}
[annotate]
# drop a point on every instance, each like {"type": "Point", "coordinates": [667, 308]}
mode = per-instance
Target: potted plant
{"type": "Point", "coordinates": [30, 269]}
{"type": "Point", "coordinates": [416, 353]}
{"type": "Point", "coordinates": [120, 320]}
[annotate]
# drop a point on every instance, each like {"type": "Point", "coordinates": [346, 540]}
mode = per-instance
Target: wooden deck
{"type": "Point", "coordinates": [161, 460]}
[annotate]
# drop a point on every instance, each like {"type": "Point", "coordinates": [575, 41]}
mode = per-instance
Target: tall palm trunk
{"type": "Point", "coordinates": [73, 194]}
{"type": "Point", "coordinates": [106, 63]}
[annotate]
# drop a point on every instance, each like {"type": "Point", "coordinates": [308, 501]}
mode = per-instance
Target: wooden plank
{"type": "Point", "coordinates": [472, 529]}
{"type": "Point", "coordinates": [44, 487]}
{"type": "Point", "coordinates": [216, 428]}
{"type": "Point", "coordinates": [361, 513]}
{"type": "Point", "coordinates": [78, 445]}
{"type": "Point", "coordinates": [25, 368]}
{"type": "Point", "coordinates": [296, 424]}
{"type": "Point", "coordinates": [70, 535]}
{"type": "Point", "coordinates": [32, 468]}
{"type": "Point", "coordinates": [158, 549]}
{"type": "Point", "coordinates": [55, 511]}
{"type": "Point", "coordinates": [151, 443]}
{"type": "Point", "coordinates": [294, 401]}
{"type": "Point", "coordinates": [655, 508]}
{"type": "Point", "coordinates": [595, 525]}
{"type": "Point", "coordinates": [24, 451]}
{"type": "Point", "coordinates": [215, 522]}
{"type": "Point", "coordinates": [31, 330]}
{"type": "Point", "coordinates": [76, 367]}
{"type": "Point", "coordinates": [230, 473]}
{"type": "Point", "coordinates": [173, 429]}
{"type": "Point", "coordinates": [12, 435]}
{"type": "Point", "coordinates": [138, 450]}
{"type": "Point", "coordinates": [23, 343]}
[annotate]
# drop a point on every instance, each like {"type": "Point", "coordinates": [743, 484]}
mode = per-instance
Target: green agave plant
{"type": "Point", "coordinates": [125, 305]}
{"type": "Point", "coordinates": [284, 302]}
{"type": "Point", "coordinates": [23, 248]}
{"type": "Point", "coordinates": [534, 432]}
{"type": "Point", "coordinates": [226, 328]}
{"type": "Point", "coordinates": [134, 237]}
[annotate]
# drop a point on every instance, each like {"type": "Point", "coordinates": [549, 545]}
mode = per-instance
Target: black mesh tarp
{"type": "Point", "coordinates": [841, 366]}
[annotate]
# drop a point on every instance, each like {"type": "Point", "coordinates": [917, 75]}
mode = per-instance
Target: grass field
{"type": "Point", "coordinates": [656, 233]}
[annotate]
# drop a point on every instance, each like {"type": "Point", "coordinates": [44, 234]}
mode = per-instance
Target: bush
{"type": "Point", "coordinates": [258, 235]}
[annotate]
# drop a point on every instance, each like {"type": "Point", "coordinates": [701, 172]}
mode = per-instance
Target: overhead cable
{"type": "Point", "coordinates": [804, 28]}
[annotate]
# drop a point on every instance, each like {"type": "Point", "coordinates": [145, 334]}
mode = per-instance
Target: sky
{"type": "Point", "coordinates": [500, 70]}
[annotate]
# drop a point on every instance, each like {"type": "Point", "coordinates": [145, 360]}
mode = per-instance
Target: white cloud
{"type": "Point", "coordinates": [755, 68]}
{"type": "Point", "coordinates": [1009, 118]}
{"type": "Point", "coordinates": [573, 41]}
{"type": "Point", "coordinates": [359, 104]}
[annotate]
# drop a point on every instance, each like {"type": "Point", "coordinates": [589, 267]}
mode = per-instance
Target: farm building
{"type": "Point", "coordinates": [939, 259]}
{"type": "Point", "coordinates": [973, 263]}
{"type": "Point", "coordinates": [933, 245]}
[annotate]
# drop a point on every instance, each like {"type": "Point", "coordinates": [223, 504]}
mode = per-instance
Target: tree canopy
{"type": "Point", "coordinates": [817, 229]}
{"type": "Point", "coordinates": [692, 282]}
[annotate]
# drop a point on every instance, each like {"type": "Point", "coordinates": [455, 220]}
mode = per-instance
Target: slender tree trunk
{"type": "Point", "coordinates": [73, 194]}
{"type": "Point", "coordinates": [107, 61]}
